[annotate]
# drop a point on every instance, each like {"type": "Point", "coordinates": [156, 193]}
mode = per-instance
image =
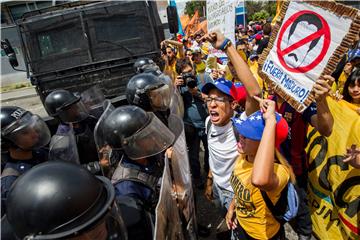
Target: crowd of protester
{"type": "Point", "coordinates": [253, 140]}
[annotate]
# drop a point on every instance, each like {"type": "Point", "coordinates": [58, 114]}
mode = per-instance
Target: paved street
{"type": "Point", "coordinates": [25, 98]}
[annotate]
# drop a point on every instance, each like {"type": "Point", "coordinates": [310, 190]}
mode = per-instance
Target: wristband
{"type": "Point", "coordinates": [225, 44]}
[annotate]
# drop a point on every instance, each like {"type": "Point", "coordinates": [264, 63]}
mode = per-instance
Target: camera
{"type": "Point", "coordinates": [189, 80]}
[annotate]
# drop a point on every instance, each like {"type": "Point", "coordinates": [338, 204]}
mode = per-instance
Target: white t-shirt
{"type": "Point", "coordinates": [223, 152]}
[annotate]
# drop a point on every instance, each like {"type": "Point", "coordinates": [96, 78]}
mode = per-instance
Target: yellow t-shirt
{"type": "Point", "coordinates": [254, 66]}
{"type": "Point", "coordinates": [200, 68]}
{"type": "Point", "coordinates": [172, 68]}
{"type": "Point", "coordinates": [342, 79]}
{"type": "Point", "coordinates": [251, 210]}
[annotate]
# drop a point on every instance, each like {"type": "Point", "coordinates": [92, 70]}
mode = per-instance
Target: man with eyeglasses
{"type": "Point", "coordinates": [221, 138]}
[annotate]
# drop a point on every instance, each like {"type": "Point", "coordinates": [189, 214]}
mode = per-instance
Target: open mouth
{"type": "Point", "coordinates": [214, 116]}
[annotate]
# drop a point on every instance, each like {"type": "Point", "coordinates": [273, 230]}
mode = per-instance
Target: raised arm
{"type": "Point", "coordinates": [263, 175]}
{"type": "Point", "coordinates": [242, 70]}
{"type": "Point", "coordinates": [179, 46]}
{"type": "Point", "coordinates": [323, 121]}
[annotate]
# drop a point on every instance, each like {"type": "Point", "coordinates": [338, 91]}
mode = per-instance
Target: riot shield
{"type": "Point", "coordinates": [63, 147]}
{"type": "Point", "coordinates": [181, 189]}
{"type": "Point", "coordinates": [167, 222]}
{"type": "Point", "coordinates": [93, 99]}
{"type": "Point", "coordinates": [104, 150]}
{"type": "Point", "coordinates": [177, 104]}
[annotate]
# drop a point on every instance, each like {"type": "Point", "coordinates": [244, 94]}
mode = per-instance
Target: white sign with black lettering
{"type": "Point", "coordinates": [221, 17]}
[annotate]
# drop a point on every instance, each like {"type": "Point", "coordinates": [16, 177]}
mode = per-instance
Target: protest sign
{"type": "Point", "coordinates": [307, 41]}
{"type": "Point", "coordinates": [334, 186]}
{"type": "Point", "coordinates": [221, 17]}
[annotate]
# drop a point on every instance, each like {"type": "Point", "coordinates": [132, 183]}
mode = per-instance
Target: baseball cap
{"type": "Point", "coordinates": [253, 55]}
{"type": "Point", "coordinates": [253, 127]}
{"type": "Point", "coordinates": [239, 95]}
{"type": "Point", "coordinates": [221, 84]}
{"type": "Point", "coordinates": [354, 53]}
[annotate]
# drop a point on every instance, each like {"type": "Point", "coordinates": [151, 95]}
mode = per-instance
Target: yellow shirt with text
{"type": "Point", "coordinates": [251, 210]}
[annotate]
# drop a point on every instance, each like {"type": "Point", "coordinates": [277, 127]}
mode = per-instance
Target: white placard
{"type": "Point", "coordinates": [221, 17]}
{"type": "Point", "coordinates": [307, 38]}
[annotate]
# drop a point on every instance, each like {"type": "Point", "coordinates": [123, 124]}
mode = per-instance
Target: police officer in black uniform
{"type": "Point", "coordinates": [70, 110]}
{"type": "Point", "coordinates": [62, 200]}
{"type": "Point", "coordinates": [142, 139]}
{"type": "Point", "coordinates": [149, 92]}
{"type": "Point", "coordinates": [146, 65]}
{"type": "Point", "coordinates": [23, 137]}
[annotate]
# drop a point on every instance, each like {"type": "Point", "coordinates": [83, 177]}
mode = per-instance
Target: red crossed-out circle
{"type": "Point", "coordinates": [323, 32]}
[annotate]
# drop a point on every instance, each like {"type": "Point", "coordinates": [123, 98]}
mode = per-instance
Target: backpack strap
{"type": "Point", "coordinates": [236, 133]}
{"type": "Point", "coordinates": [279, 208]}
{"type": "Point", "coordinates": [208, 126]}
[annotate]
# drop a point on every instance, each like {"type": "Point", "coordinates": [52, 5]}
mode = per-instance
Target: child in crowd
{"type": "Point", "coordinates": [260, 167]}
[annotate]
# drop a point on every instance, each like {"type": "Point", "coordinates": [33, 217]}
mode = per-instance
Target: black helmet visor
{"type": "Point", "coordinates": [160, 98]}
{"type": "Point", "coordinates": [29, 132]}
{"type": "Point", "coordinates": [73, 113]}
{"type": "Point", "coordinates": [149, 141]}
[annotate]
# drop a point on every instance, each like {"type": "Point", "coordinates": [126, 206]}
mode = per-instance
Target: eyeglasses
{"type": "Point", "coordinates": [217, 100]}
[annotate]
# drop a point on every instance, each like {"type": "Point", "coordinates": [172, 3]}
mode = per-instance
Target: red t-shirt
{"type": "Point", "coordinates": [293, 148]}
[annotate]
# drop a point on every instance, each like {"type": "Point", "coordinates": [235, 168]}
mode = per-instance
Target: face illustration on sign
{"type": "Point", "coordinates": [303, 41]}
{"type": "Point", "coordinates": [304, 23]}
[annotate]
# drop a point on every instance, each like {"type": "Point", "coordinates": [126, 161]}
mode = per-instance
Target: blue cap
{"type": "Point", "coordinates": [253, 55]}
{"type": "Point", "coordinates": [253, 127]}
{"type": "Point", "coordinates": [354, 53]}
{"type": "Point", "coordinates": [223, 85]}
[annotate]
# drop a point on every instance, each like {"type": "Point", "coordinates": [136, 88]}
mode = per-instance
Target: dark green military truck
{"type": "Point", "coordinates": [77, 45]}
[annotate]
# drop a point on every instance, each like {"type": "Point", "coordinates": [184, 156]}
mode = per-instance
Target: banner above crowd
{"type": "Point", "coordinates": [307, 41]}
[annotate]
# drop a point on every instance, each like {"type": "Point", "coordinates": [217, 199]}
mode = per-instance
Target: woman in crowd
{"type": "Point", "coordinates": [352, 89]}
{"type": "Point", "coordinates": [260, 167]}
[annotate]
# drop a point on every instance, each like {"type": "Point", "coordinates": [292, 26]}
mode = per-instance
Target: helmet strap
{"type": "Point", "coordinates": [136, 99]}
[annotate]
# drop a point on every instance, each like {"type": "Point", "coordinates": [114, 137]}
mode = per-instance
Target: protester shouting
{"type": "Point", "coordinates": [221, 138]}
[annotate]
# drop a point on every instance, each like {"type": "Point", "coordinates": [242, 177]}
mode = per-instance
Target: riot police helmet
{"type": "Point", "coordinates": [62, 200]}
{"type": "Point", "coordinates": [143, 64]}
{"type": "Point", "coordinates": [149, 92]}
{"type": "Point", "coordinates": [23, 129]}
{"type": "Point", "coordinates": [137, 133]}
{"type": "Point", "coordinates": [66, 106]}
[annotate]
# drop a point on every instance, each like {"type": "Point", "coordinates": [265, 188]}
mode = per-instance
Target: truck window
{"type": "Point", "coordinates": [116, 28]}
{"type": "Point", "coordinates": [59, 40]}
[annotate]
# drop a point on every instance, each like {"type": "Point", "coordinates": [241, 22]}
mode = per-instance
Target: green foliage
{"type": "Point", "coordinates": [259, 10]}
{"type": "Point", "coordinates": [192, 6]}
{"type": "Point", "coordinates": [263, 14]}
